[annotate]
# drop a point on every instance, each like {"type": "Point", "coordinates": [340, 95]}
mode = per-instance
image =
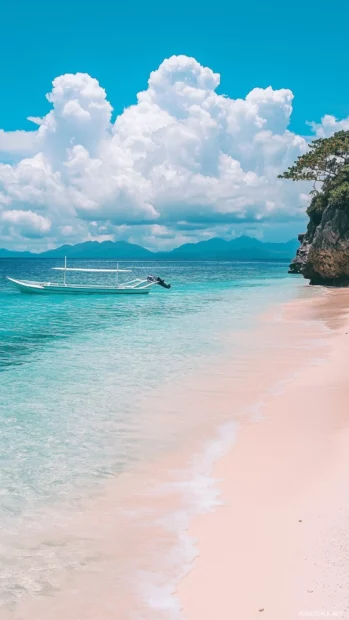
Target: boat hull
{"type": "Point", "coordinates": [47, 288]}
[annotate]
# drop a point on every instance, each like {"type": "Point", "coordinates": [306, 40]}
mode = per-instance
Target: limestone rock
{"type": "Point", "coordinates": [300, 259]}
{"type": "Point", "coordinates": [327, 260]}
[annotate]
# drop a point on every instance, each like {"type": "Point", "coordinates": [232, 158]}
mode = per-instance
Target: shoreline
{"type": "Point", "coordinates": [131, 542]}
{"type": "Point", "coordinates": [278, 547]}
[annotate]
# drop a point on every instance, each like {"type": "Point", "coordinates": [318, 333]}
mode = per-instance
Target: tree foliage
{"type": "Point", "coordinates": [327, 165]}
{"type": "Point", "coordinates": [324, 160]}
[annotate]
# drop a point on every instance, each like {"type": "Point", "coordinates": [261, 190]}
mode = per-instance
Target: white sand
{"type": "Point", "coordinates": [279, 547]}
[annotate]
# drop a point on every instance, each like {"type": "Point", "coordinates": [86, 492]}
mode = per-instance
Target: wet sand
{"type": "Point", "coordinates": [278, 547]}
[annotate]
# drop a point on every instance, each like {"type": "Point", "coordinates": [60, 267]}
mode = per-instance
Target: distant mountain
{"type": "Point", "coordinates": [242, 248]}
{"type": "Point", "coordinates": [118, 250]}
{"type": "Point", "coordinates": [9, 254]}
{"type": "Point", "coordinates": [114, 250]}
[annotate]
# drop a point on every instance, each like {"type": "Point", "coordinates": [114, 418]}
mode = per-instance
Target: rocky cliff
{"type": "Point", "coordinates": [323, 256]}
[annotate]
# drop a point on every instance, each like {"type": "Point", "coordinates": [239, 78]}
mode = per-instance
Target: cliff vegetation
{"type": "Point", "coordinates": [323, 256]}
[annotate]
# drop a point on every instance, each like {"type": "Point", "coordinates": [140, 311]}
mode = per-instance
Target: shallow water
{"type": "Point", "coordinates": [82, 388]}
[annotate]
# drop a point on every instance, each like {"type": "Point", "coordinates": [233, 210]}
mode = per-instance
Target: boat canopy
{"type": "Point", "coordinates": [91, 270]}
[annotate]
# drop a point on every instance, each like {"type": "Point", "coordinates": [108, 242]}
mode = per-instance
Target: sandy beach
{"type": "Point", "coordinates": [278, 547]}
{"type": "Point", "coordinates": [244, 512]}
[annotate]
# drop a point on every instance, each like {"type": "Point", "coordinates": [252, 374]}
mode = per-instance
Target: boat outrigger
{"type": "Point", "coordinates": [131, 287]}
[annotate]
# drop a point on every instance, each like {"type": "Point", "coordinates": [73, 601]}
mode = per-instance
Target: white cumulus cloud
{"type": "Point", "coordinates": [184, 158]}
{"type": "Point", "coordinates": [329, 125]}
{"type": "Point", "coordinates": [25, 223]}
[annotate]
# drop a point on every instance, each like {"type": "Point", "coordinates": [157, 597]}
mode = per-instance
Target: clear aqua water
{"type": "Point", "coordinates": [74, 370]}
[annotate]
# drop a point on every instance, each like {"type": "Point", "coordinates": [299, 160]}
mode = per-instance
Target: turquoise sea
{"type": "Point", "coordinates": [76, 373]}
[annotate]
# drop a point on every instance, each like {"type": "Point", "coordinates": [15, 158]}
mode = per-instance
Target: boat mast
{"type": "Point", "coordinates": [117, 274]}
{"type": "Point", "coordinates": [65, 269]}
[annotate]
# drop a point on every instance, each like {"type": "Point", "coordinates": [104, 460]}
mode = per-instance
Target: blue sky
{"type": "Point", "coordinates": [300, 46]}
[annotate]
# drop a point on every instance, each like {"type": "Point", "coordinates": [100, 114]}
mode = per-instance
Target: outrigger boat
{"type": "Point", "coordinates": [131, 287]}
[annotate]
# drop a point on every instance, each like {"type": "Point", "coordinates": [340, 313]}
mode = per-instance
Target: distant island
{"type": "Point", "coordinates": [239, 249]}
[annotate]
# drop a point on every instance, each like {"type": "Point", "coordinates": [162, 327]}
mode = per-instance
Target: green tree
{"type": "Point", "coordinates": [327, 165]}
